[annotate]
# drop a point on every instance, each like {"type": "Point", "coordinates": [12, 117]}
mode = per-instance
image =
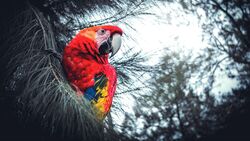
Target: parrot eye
{"type": "Point", "coordinates": [101, 32]}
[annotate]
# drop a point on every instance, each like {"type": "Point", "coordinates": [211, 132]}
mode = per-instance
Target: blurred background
{"type": "Point", "coordinates": [183, 68]}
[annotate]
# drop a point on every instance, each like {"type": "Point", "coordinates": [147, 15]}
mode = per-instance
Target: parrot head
{"type": "Point", "coordinates": [107, 39]}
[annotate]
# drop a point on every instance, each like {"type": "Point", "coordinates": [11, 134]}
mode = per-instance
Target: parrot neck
{"type": "Point", "coordinates": [103, 59]}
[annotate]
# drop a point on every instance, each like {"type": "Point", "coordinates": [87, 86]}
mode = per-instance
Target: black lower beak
{"type": "Point", "coordinates": [105, 48]}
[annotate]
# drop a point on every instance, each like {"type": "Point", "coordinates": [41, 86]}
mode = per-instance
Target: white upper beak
{"type": "Point", "coordinates": [116, 43]}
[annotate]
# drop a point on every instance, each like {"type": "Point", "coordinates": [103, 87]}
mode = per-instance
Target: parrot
{"type": "Point", "coordinates": [86, 63]}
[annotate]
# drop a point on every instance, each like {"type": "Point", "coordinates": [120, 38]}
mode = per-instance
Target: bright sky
{"type": "Point", "coordinates": [175, 30]}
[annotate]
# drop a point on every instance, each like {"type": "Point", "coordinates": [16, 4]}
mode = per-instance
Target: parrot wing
{"type": "Point", "coordinates": [98, 95]}
{"type": "Point", "coordinates": [98, 90]}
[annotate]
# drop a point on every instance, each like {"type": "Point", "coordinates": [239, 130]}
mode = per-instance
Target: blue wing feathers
{"type": "Point", "coordinates": [90, 93]}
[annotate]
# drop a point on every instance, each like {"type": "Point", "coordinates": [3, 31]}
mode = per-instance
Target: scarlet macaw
{"type": "Point", "coordinates": [85, 60]}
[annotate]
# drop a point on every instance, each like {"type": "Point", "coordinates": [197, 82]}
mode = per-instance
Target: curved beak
{"type": "Point", "coordinates": [116, 42]}
{"type": "Point", "coordinates": [112, 45]}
